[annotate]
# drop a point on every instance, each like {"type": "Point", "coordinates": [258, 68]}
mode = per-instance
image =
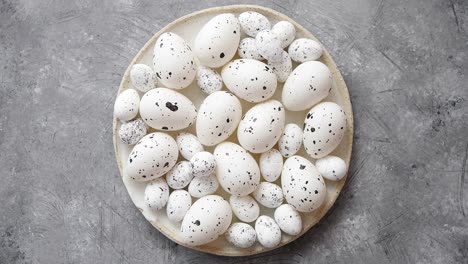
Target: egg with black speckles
{"type": "Point", "coordinates": [143, 77]}
{"type": "Point", "coordinates": [302, 50]}
{"type": "Point", "coordinates": [303, 186]}
{"type": "Point", "coordinates": [261, 127]}
{"type": "Point", "coordinates": [308, 84]}
{"type": "Point", "coordinates": [178, 204]}
{"type": "Point", "coordinates": [285, 31]}
{"type": "Point", "coordinates": [251, 80]}
{"type": "Point", "coordinates": [269, 46]}
{"type": "Point", "coordinates": [202, 186]}
{"type": "Point", "coordinates": [332, 168]}
{"type": "Point", "coordinates": [166, 109]}
{"type": "Point", "coordinates": [173, 61]}
{"type": "Point", "coordinates": [268, 232]}
{"type": "Point", "coordinates": [237, 170]}
{"type": "Point", "coordinates": [152, 157]}
{"type": "Point", "coordinates": [288, 219]}
{"type": "Point", "coordinates": [209, 217]}
{"type": "Point", "coordinates": [180, 175]}
{"type": "Point", "coordinates": [324, 128]}
{"type": "Point", "coordinates": [126, 105]}
{"type": "Point", "coordinates": [271, 164]}
{"type": "Point", "coordinates": [282, 68]}
{"type": "Point", "coordinates": [209, 80]}
{"type": "Point", "coordinates": [244, 207]}
{"type": "Point", "coordinates": [268, 194]}
{"type": "Point", "coordinates": [248, 49]}
{"type": "Point", "coordinates": [241, 235]}
{"type": "Point", "coordinates": [203, 164]}
{"type": "Point", "coordinates": [291, 140]}
{"type": "Point", "coordinates": [188, 144]}
{"type": "Point", "coordinates": [217, 41]}
{"type": "Point", "coordinates": [253, 22]}
{"type": "Point", "coordinates": [131, 132]}
{"type": "Point", "coordinates": [218, 117]}
{"type": "Point", "coordinates": [156, 194]}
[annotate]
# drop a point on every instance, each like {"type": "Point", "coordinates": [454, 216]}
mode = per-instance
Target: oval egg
{"type": "Point", "coordinates": [126, 105]}
{"type": "Point", "coordinates": [241, 235]}
{"type": "Point", "coordinates": [248, 49]}
{"type": "Point", "coordinates": [271, 165]}
{"type": "Point", "coordinates": [209, 80]}
{"type": "Point", "coordinates": [288, 219]}
{"type": "Point", "coordinates": [180, 175]}
{"type": "Point", "coordinates": [302, 50]}
{"type": "Point", "coordinates": [178, 204]}
{"type": "Point", "coordinates": [269, 195]}
{"type": "Point", "coordinates": [188, 145]}
{"type": "Point", "coordinates": [291, 140]}
{"type": "Point", "coordinates": [332, 168]}
{"type": "Point", "coordinates": [143, 77]}
{"type": "Point", "coordinates": [244, 207]}
{"type": "Point", "coordinates": [201, 186]}
{"type": "Point", "coordinates": [156, 194]}
{"type": "Point", "coordinates": [268, 232]}
{"type": "Point", "coordinates": [253, 22]}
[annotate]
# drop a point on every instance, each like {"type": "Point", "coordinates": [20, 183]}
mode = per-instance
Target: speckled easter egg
{"type": "Point", "coordinates": [269, 46]}
{"type": "Point", "coordinates": [288, 219]}
{"type": "Point", "coordinates": [282, 68]}
{"type": "Point", "coordinates": [253, 22]}
{"type": "Point", "coordinates": [143, 77]}
{"type": "Point", "coordinates": [244, 207]}
{"type": "Point", "coordinates": [156, 194]}
{"type": "Point", "coordinates": [268, 232]}
{"type": "Point", "coordinates": [203, 164]}
{"type": "Point", "coordinates": [302, 50]}
{"type": "Point", "coordinates": [269, 194]}
{"type": "Point", "coordinates": [271, 164]}
{"type": "Point", "coordinates": [248, 49]}
{"type": "Point", "coordinates": [180, 175]}
{"type": "Point", "coordinates": [202, 186]}
{"type": "Point", "coordinates": [131, 132]}
{"type": "Point", "coordinates": [332, 168]}
{"type": "Point", "coordinates": [209, 80]}
{"type": "Point", "coordinates": [291, 140]}
{"type": "Point", "coordinates": [241, 235]}
{"type": "Point", "coordinates": [188, 144]}
{"type": "Point", "coordinates": [126, 105]}
{"type": "Point", "coordinates": [178, 204]}
{"type": "Point", "coordinates": [285, 31]}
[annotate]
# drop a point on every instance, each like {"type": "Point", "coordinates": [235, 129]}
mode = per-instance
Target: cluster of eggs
{"type": "Point", "coordinates": [231, 166]}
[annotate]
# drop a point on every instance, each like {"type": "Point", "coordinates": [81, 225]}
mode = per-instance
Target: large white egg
{"type": "Point", "coordinates": [237, 171]}
{"type": "Point", "coordinates": [217, 41]}
{"type": "Point", "coordinates": [173, 61]}
{"type": "Point", "coordinates": [251, 80]}
{"type": "Point", "coordinates": [166, 109]}
{"type": "Point", "coordinates": [324, 128]}
{"type": "Point", "coordinates": [262, 126]}
{"type": "Point", "coordinates": [218, 117]}
{"type": "Point", "coordinates": [308, 84]}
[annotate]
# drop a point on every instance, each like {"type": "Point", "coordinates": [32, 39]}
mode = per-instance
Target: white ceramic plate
{"type": "Point", "coordinates": [187, 27]}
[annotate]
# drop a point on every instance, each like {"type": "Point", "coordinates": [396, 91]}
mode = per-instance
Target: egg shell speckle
{"type": "Point", "coordinates": [131, 132]}
{"type": "Point", "coordinates": [248, 49]}
{"type": "Point", "coordinates": [269, 46]}
{"type": "Point", "coordinates": [269, 194]}
{"type": "Point", "coordinates": [244, 207]}
{"type": "Point", "coordinates": [153, 156]}
{"type": "Point", "coordinates": [241, 235]}
{"type": "Point", "coordinates": [288, 219]}
{"type": "Point", "coordinates": [303, 186]}
{"type": "Point", "coordinates": [201, 186]}
{"type": "Point", "coordinates": [143, 77]}
{"type": "Point", "coordinates": [126, 105]}
{"type": "Point", "coordinates": [252, 23]}
{"type": "Point", "coordinates": [332, 168]}
{"type": "Point", "coordinates": [262, 126]}
{"type": "Point", "coordinates": [271, 164]}
{"type": "Point", "coordinates": [282, 68]}
{"type": "Point", "coordinates": [324, 128]}
{"type": "Point", "coordinates": [203, 164]}
{"type": "Point", "coordinates": [166, 109]}
{"type": "Point", "coordinates": [178, 204]}
{"type": "Point", "coordinates": [291, 140]}
{"type": "Point", "coordinates": [209, 80]}
{"type": "Point", "coordinates": [268, 232]}
{"type": "Point", "coordinates": [173, 61]}
{"type": "Point", "coordinates": [157, 194]}
{"type": "Point", "coordinates": [302, 50]}
{"type": "Point", "coordinates": [180, 175]}
{"type": "Point", "coordinates": [237, 171]}
{"type": "Point", "coordinates": [218, 117]}
{"type": "Point", "coordinates": [285, 31]}
{"type": "Point", "coordinates": [188, 145]}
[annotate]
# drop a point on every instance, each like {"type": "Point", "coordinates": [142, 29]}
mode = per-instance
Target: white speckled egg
{"type": "Point", "coordinates": [217, 41]}
{"type": "Point", "coordinates": [268, 194]}
{"type": "Point", "coordinates": [241, 235]}
{"type": "Point", "coordinates": [285, 31]}
{"type": "Point", "coordinates": [178, 204]}
{"type": "Point", "coordinates": [307, 85]}
{"type": "Point", "coordinates": [269, 46]}
{"type": "Point", "coordinates": [248, 49]}
{"type": "Point", "coordinates": [271, 165]}
{"type": "Point", "coordinates": [209, 80]}
{"type": "Point", "coordinates": [324, 128]}
{"type": "Point", "coordinates": [237, 170]}
{"type": "Point", "coordinates": [303, 186]}
{"type": "Point", "coordinates": [332, 168]}
{"type": "Point", "coordinates": [251, 80]}
{"type": "Point", "coordinates": [261, 127]}
{"type": "Point", "coordinates": [180, 175]}
{"type": "Point", "coordinates": [209, 217]}
{"type": "Point", "coordinates": [291, 140]}
{"type": "Point", "coordinates": [268, 232]}
{"type": "Point", "coordinates": [157, 194]}
{"type": "Point", "coordinates": [153, 156]}
{"type": "Point", "coordinates": [202, 186]}
{"type": "Point", "coordinates": [203, 164]}
{"type": "Point", "coordinates": [253, 22]}
{"type": "Point", "coordinates": [143, 77]}
{"type": "Point", "coordinates": [218, 117]}
{"type": "Point", "coordinates": [173, 61]}
{"type": "Point", "coordinates": [188, 145]}
{"type": "Point", "coordinates": [131, 132]}
{"type": "Point", "coordinates": [302, 50]}
{"type": "Point", "coordinates": [282, 68]}
{"type": "Point", "coordinates": [288, 219]}
{"type": "Point", "coordinates": [244, 207]}
{"type": "Point", "coordinates": [166, 109]}
{"type": "Point", "coordinates": [126, 105]}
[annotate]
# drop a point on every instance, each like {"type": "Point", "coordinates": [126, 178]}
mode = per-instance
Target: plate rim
{"type": "Point", "coordinates": [343, 90]}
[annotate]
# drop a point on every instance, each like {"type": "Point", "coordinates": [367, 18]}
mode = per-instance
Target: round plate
{"type": "Point", "coordinates": [187, 27]}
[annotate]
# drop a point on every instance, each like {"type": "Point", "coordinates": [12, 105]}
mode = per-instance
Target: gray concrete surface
{"type": "Point", "coordinates": [62, 199]}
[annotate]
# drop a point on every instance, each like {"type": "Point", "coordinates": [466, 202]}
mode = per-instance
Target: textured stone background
{"type": "Point", "coordinates": [62, 199]}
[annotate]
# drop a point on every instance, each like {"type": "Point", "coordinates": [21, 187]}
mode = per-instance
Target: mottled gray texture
{"type": "Point", "coordinates": [405, 200]}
